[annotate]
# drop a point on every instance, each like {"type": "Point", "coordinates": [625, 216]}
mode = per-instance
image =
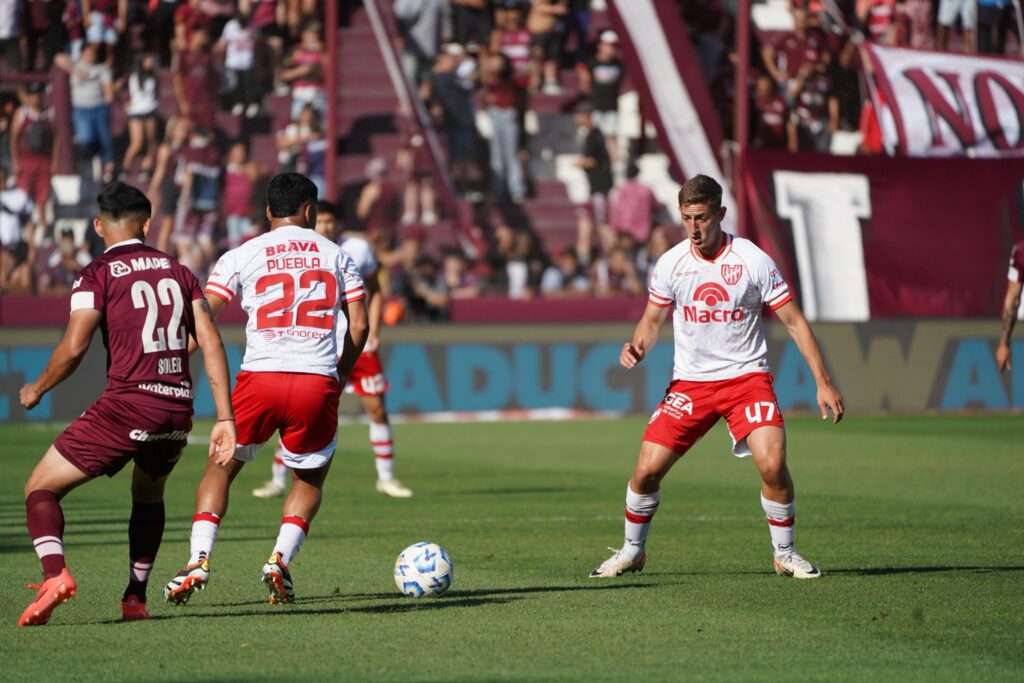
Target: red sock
{"type": "Point", "coordinates": [45, 521]}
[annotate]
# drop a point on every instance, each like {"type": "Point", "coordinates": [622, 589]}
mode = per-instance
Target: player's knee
{"type": "Point", "coordinates": [646, 478]}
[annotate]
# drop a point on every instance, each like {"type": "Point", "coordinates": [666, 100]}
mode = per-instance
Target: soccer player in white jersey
{"type": "Point", "coordinates": [294, 283]}
{"type": "Point", "coordinates": [367, 379]}
{"type": "Point", "coordinates": [715, 285]}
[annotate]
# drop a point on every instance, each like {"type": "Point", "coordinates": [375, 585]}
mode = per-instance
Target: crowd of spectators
{"type": "Point", "coordinates": [808, 84]}
{"type": "Point", "coordinates": [151, 80]}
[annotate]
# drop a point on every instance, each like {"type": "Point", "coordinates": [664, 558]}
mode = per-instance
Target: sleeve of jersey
{"type": "Point", "coordinates": [223, 281]}
{"type": "Point", "coordinates": [352, 284]}
{"type": "Point", "coordinates": [658, 292]}
{"type": "Point", "coordinates": [1016, 273]}
{"type": "Point", "coordinates": [86, 294]}
{"type": "Point", "coordinates": [774, 290]}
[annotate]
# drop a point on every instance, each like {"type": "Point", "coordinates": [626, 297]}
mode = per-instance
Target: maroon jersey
{"type": "Point", "coordinates": [146, 298]}
{"type": "Point", "coordinates": [792, 51]}
{"type": "Point", "coordinates": [1016, 273]}
{"type": "Point", "coordinates": [772, 115]}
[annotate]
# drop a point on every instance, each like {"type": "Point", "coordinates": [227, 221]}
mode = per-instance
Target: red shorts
{"type": "Point", "coordinates": [367, 378]}
{"type": "Point", "coordinates": [34, 178]}
{"type": "Point", "coordinates": [113, 431]}
{"type": "Point", "coordinates": [690, 409]}
{"type": "Point", "coordinates": [303, 407]}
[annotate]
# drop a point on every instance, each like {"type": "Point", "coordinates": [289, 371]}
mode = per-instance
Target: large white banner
{"type": "Point", "coordinates": [949, 104]}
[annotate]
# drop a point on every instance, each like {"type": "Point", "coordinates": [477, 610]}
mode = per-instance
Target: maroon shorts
{"type": "Point", "coordinates": [34, 178]}
{"type": "Point", "coordinates": [113, 431]}
{"type": "Point", "coordinates": [367, 378]}
{"type": "Point", "coordinates": [303, 407]}
{"type": "Point", "coordinates": [690, 409]}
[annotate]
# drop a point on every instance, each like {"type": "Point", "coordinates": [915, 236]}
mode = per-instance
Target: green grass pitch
{"type": "Point", "coordinates": [918, 523]}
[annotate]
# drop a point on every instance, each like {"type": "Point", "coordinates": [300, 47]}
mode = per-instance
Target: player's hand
{"type": "Point", "coordinates": [830, 399]}
{"type": "Point", "coordinates": [222, 442]}
{"type": "Point", "coordinates": [372, 344]}
{"type": "Point", "coordinates": [1004, 358]}
{"type": "Point", "coordinates": [632, 354]}
{"type": "Point", "coordinates": [30, 396]}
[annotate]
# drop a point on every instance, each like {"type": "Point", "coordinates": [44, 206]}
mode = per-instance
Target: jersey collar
{"type": "Point", "coordinates": [123, 243]}
{"type": "Point", "coordinates": [725, 249]}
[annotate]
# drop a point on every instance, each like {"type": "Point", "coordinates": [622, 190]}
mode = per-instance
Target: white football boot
{"type": "Point", "coordinates": [795, 566]}
{"type": "Point", "coordinates": [393, 488]}
{"type": "Point", "coordinates": [269, 490]}
{"type": "Point", "coordinates": [618, 564]}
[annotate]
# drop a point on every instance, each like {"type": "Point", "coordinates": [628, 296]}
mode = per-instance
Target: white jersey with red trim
{"type": "Point", "coordinates": [717, 322]}
{"type": "Point", "coordinates": [293, 283]}
{"type": "Point", "coordinates": [362, 253]}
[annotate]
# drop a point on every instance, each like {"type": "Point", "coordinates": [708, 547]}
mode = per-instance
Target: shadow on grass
{"type": "Point", "coordinates": [298, 610]}
{"type": "Point", "coordinates": [882, 571]}
{"type": "Point", "coordinates": [457, 595]}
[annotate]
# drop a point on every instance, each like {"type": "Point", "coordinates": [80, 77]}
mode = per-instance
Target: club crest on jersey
{"type": "Point", "coordinates": [731, 274]}
{"type": "Point", "coordinates": [119, 269]}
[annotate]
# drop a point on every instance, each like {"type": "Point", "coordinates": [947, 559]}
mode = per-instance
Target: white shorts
{"type": "Point", "coordinates": [949, 10]}
{"type": "Point", "coordinates": [304, 461]}
{"type": "Point", "coordinates": [607, 122]}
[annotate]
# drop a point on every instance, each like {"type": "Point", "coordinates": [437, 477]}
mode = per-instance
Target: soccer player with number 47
{"type": "Point", "coordinates": [715, 285]}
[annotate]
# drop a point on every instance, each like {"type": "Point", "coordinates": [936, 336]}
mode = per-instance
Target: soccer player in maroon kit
{"type": "Point", "coordinates": [1011, 304]}
{"type": "Point", "coordinates": [148, 307]}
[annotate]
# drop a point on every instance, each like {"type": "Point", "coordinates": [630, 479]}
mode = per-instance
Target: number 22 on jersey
{"type": "Point", "coordinates": [311, 312]}
{"type": "Point", "coordinates": [167, 293]}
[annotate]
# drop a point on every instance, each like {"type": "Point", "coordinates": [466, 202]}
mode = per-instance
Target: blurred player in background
{"type": "Point", "coordinates": [367, 379]}
{"type": "Point", "coordinates": [1011, 305]}
{"type": "Point", "coordinates": [148, 307]}
{"type": "Point", "coordinates": [294, 283]}
{"type": "Point", "coordinates": [716, 285]}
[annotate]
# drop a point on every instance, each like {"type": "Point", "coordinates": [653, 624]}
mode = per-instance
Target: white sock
{"type": "Point", "coordinates": [640, 509]}
{"type": "Point", "coordinates": [204, 533]}
{"type": "Point", "coordinates": [279, 471]}
{"type": "Point", "coordinates": [780, 524]}
{"type": "Point", "coordinates": [289, 539]}
{"type": "Point", "coordinates": [383, 450]}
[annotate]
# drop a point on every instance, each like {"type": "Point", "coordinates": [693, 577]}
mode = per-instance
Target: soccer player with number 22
{"type": "Point", "coordinates": [294, 283]}
{"type": "Point", "coordinates": [149, 308]}
{"type": "Point", "coordinates": [715, 285]}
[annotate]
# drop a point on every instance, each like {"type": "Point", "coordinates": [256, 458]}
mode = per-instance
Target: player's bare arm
{"type": "Point", "coordinates": [796, 324]}
{"type": "Point", "coordinates": [222, 437]}
{"type": "Point", "coordinates": [355, 337]}
{"type": "Point", "coordinates": [644, 336]}
{"type": "Point", "coordinates": [374, 309]}
{"type": "Point", "coordinates": [215, 305]}
{"type": "Point", "coordinates": [1011, 303]}
{"type": "Point", "coordinates": [65, 358]}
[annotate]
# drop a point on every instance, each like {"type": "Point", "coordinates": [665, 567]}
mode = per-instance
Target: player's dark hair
{"type": "Point", "coordinates": [700, 189]}
{"type": "Point", "coordinates": [287, 192]}
{"type": "Point", "coordinates": [119, 200]}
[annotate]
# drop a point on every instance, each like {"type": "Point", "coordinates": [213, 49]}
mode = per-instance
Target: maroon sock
{"type": "Point", "coordinates": [145, 531]}
{"type": "Point", "coordinates": [45, 521]}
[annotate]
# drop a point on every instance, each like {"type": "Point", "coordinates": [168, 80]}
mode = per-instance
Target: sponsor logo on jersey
{"type": "Point", "coordinates": [731, 274]}
{"type": "Point", "coordinates": [119, 269]}
{"type": "Point", "coordinates": [78, 283]}
{"type": "Point", "coordinates": [711, 294]}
